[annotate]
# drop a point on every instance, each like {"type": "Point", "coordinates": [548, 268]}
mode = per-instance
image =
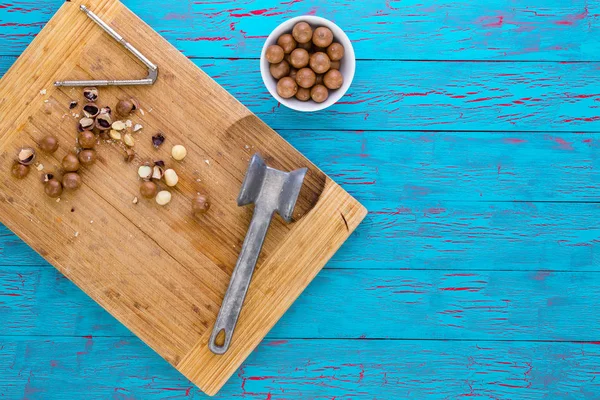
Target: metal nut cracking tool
{"type": "Point", "coordinates": [152, 69]}
{"type": "Point", "coordinates": [270, 190]}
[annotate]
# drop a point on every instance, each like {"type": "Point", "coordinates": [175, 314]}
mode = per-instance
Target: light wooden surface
{"type": "Point", "coordinates": [157, 270]}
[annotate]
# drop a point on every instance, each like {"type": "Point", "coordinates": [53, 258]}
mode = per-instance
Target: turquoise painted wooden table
{"type": "Point", "coordinates": [470, 133]}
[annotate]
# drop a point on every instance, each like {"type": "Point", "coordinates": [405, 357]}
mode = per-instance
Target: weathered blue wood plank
{"type": "Point", "coordinates": [477, 96]}
{"type": "Point", "coordinates": [413, 30]}
{"type": "Point", "coordinates": [97, 368]}
{"type": "Point", "coordinates": [418, 234]}
{"type": "Point", "coordinates": [372, 304]}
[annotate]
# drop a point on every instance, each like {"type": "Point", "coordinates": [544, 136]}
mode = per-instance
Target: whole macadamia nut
{"type": "Point", "coordinates": [299, 58]}
{"type": "Point", "coordinates": [322, 36]}
{"type": "Point", "coordinates": [319, 93]}
{"type": "Point", "coordinates": [87, 157]}
{"type": "Point", "coordinates": [320, 63]}
{"type": "Point", "coordinates": [333, 79]}
{"type": "Point", "coordinates": [19, 171]}
{"type": "Point", "coordinates": [274, 54]}
{"type": "Point", "coordinates": [71, 181]}
{"type": "Point", "coordinates": [335, 52]}
{"type": "Point", "coordinates": [70, 163]}
{"type": "Point", "coordinates": [303, 94]}
{"type": "Point", "coordinates": [87, 140]}
{"type": "Point", "coordinates": [302, 32]}
{"type": "Point", "coordinates": [148, 189]}
{"type": "Point", "coordinates": [49, 144]}
{"type": "Point", "coordinates": [53, 188]}
{"type": "Point", "coordinates": [287, 43]}
{"type": "Point", "coordinates": [305, 78]}
{"type": "Point", "coordinates": [279, 70]}
{"type": "Point", "coordinates": [287, 87]}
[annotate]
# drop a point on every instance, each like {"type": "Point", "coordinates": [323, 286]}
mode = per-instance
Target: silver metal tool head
{"type": "Point", "coordinates": [271, 187]}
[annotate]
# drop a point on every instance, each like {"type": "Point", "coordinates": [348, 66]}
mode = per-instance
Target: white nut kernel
{"type": "Point", "coordinates": [145, 172]}
{"type": "Point", "coordinates": [128, 140]}
{"type": "Point", "coordinates": [128, 123]}
{"type": "Point", "coordinates": [171, 177]}
{"type": "Point", "coordinates": [163, 197]}
{"type": "Point", "coordinates": [116, 135]}
{"type": "Point", "coordinates": [178, 152]}
{"type": "Point", "coordinates": [119, 125]}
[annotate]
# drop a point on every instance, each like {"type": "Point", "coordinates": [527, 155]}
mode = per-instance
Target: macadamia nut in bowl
{"type": "Point", "coordinates": [318, 63]}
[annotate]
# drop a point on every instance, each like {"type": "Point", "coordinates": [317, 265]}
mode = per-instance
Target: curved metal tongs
{"type": "Point", "coordinates": [270, 190]}
{"type": "Point", "coordinates": [152, 69]}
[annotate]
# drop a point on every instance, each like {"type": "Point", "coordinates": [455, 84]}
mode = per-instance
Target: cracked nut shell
{"type": "Point", "coordinates": [91, 110]}
{"type": "Point", "coordinates": [91, 94]}
{"type": "Point", "coordinates": [103, 121]}
{"type": "Point", "coordinates": [26, 156]}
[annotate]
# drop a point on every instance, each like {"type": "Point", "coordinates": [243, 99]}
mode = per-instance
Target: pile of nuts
{"type": "Point", "coordinates": [97, 123]}
{"type": "Point", "coordinates": [306, 63]}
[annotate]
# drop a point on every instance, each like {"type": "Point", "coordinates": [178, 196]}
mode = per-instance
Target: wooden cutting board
{"type": "Point", "coordinates": [156, 269]}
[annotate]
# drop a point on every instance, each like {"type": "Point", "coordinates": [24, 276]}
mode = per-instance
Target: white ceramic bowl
{"type": "Point", "coordinates": [347, 64]}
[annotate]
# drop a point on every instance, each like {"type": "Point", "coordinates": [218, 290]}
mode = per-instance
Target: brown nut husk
{"type": "Point", "coordinates": [319, 80]}
{"type": "Point", "coordinates": [306, 78]}
{"type": "Point", "coordinates": [87, 140]}
{"type": "Point", "coordinates": [87, 157]}
{"type": "Point", "coordinates": [320, 63]}
{"type": "Point", "coordinates": [200, 205]}
{"type": "Point", "coordinates": [333, 79]}
{"type": "Point", "coordinates": [125, 107]}
{"type": "Point", "coordinates": [287, 43]}
{"type": "Point", "coordinates": [280, 70]}
{"type": "Point", "coordinates": [129, 155]}
{"type": "Point", "coordinates": [20, 171]}
{"type": "Point", "coordinates": [103, 121]}
{"type": "Point", "coordinates": [49, 144]}
{"type": "Point", "coordinates": [148, 189]}
{"type": "Point", "coordinates": [70, 163]}
{"type": "Point", "coordinates": [302, 32]}
{"type": "Point", "coordinates": [303, 94]}
{"type": "Point", "coordinates": [287, 87]}
{"type": "Point", "coordinates": [90, 94]}
{"type": "Point", "coordinates": [335, 51]}
{"type": "Point", "coordinates": [71, 181]}
{"type": "Point", "coordinates": [91, 110]}
{"type": "Point", "coordinates": [322, 36]}
{"type": "Point", "coordinates": [26, 156]}
{"type": "Point", "coordinates": [319, 93]}
{"type": "Point", "coordinates": [335, 65]}
{"type": "Point", "coordinates": [274, 54]}
{"type": "Point", "coordinates": [53, 188]}
{"type": "Point", "coordinates": [299, 58]}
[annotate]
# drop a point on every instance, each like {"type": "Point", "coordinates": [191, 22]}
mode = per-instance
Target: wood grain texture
{"type": "Point", "coordinates": [99, 368]}
{"type": "Point", "coordinates": [365, 304]}
{"type": "Point", "coordinates": [404, 30]}
{"type": "Point", "coordinates": [155, 269]}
